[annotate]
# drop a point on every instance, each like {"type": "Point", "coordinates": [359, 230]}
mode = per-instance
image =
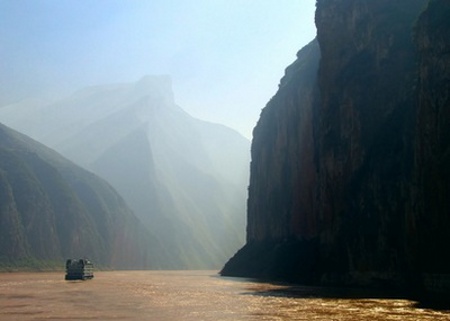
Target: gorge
{"type": "Point", "coordinates": [184, 179]}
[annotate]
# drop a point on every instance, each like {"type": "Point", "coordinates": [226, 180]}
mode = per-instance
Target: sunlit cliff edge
{"type": "Point", "coordinates": [349, 164]}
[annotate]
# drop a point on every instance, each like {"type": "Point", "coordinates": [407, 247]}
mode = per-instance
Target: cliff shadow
{"type": "Point", "coordinates": [437, 302]}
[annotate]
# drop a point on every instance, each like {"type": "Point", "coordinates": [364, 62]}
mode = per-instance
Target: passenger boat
{"type": "Point", "coordinates": [79, 269]}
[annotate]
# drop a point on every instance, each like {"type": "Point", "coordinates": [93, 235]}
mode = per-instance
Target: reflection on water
{"type": "Point", "coordinates": [189, 295]}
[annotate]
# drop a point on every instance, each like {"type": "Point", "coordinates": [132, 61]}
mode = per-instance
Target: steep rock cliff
{"type": "Point", "coordinates": [285, 132]}
{"type": "Point", "coordinates": [432, 143]}
{"type": "Point", "coordinates": [368, 173]}
{"type": "Point", "coordinates": [367, 110]}
{"type": "Point", "coordinates": [281, 200]}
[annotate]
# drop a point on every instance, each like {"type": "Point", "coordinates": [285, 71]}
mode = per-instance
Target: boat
{"type": "Point", "coordinates": [79, 269]}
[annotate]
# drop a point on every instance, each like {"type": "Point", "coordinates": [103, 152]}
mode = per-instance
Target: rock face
{"type": "Point", "coordinates": [349, 159]}
{"type": "Point", "coordinates": [432, 145]}
{"type": "Point", "coordinates": [185, 179]}
{"type": "Point", "coordinates": [52, 209]}
{"type": "Point", "coordinates": [283, 133]}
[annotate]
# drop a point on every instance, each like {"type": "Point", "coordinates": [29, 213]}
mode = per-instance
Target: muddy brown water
{"type": "Point", "coordinates": [187, 295]}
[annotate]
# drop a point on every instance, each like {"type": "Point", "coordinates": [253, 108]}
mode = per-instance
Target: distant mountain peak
{"type": "Point", "coordinates": [155, 86]}
{"type": "Point", "coordinates": [185, 179]}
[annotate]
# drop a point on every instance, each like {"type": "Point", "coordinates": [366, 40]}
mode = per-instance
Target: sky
{"type": "Point", "coordinates": [225, 57]}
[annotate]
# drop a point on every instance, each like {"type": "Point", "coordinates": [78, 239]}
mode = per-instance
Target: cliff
{"type": "Point", "coordinates": [432, 144]}
{"type": "Point", "coordinates": [347, 170]}
{"type": "Point", "coordinates": [52, 209]}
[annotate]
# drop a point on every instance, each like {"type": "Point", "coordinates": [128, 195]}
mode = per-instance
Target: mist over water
{"type": "Point", "coordinates": [189, 295]}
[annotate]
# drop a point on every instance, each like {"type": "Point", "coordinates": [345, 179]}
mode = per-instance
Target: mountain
{"type": "Point", "coordinates": [349, 180]}
{"type": "Point", "coordinates": [51, 209]}
{"type": "Point", "coordinates": [184, 178]}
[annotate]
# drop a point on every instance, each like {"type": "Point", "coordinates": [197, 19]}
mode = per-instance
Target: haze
{"type": "Point", "coordinates": [225, 57]}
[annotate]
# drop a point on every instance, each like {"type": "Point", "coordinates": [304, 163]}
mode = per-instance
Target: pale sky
{"type": "Point", "coordinates": [225, 57]}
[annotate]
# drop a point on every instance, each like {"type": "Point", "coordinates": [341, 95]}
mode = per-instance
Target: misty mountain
{"type": "Point", "coordinates": [184, 178]}
{"type": "Point", "coordinates": [350, 161]}
{"type": "Point", "coordinates": [52, 209]}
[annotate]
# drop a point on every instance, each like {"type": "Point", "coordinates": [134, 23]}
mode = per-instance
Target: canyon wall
{"type": "Point", "coordinates": [432, 143]}
{"type": "Point", "coordinates": [349, 180]}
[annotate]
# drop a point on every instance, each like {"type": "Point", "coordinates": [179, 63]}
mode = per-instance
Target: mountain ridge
{"type": "Point", "coordinates": [187, 179]}
{"type": "Point", "coordinates": [59, 210]}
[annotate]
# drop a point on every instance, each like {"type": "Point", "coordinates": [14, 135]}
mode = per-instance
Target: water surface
{"type": "Point", "coordinates": [189, 295]}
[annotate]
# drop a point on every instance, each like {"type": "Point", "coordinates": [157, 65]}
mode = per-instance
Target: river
{"type": "Point", "coordinates": [190, 295]}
